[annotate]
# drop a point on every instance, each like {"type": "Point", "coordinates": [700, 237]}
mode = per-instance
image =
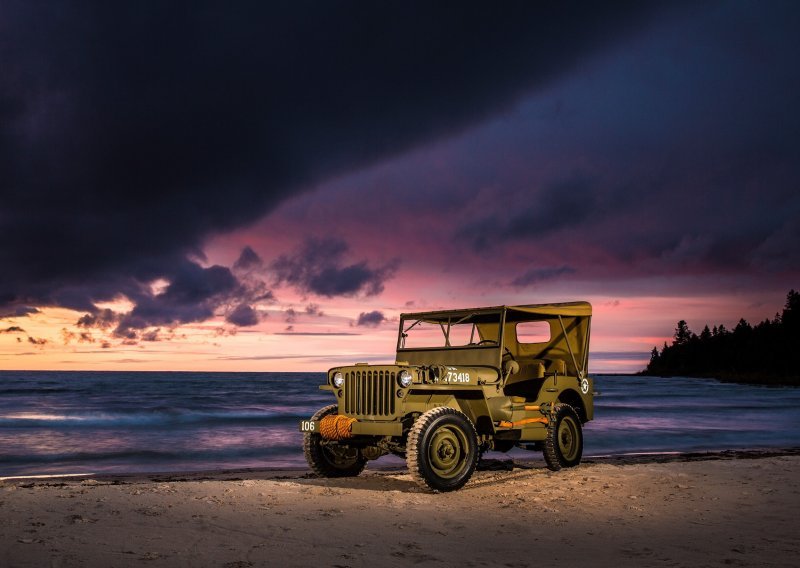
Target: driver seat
{"type": "Point", "coordinates": [528, 381]}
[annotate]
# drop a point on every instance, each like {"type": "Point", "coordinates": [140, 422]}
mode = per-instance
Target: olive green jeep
{"type": "Point", "coordinates": [464, 382]}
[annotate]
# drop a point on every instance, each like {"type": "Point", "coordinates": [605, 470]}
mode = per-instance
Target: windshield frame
{"type": "Point", "coordinates": [446, 320]}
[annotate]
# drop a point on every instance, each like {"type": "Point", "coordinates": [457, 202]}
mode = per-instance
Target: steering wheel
{"type": "Point", "coordinates": [486, 342]}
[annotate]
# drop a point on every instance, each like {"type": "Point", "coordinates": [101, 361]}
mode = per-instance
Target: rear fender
{"type": "Point", "coordinates": [584, 408]}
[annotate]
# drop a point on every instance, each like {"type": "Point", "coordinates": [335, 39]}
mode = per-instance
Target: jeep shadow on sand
{"type": "Point", "coordinates": [464, 382]}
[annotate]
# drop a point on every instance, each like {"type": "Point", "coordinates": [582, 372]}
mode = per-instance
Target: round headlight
{"type": "Point", "coordinates": [338, 379]}
{"type": "Point", "coordinates": [404, 378]}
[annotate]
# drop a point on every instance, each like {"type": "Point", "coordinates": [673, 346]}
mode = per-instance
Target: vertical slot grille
{"type": "Point", "coordinates": [369, 393]}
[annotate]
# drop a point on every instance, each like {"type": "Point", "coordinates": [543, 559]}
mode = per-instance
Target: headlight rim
{"type": "Point", "coordinates": [405, 378]}
{"type": "Point", "coordinates": [337, 380]}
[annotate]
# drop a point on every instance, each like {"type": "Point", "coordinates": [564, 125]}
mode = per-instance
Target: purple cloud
{"type": "Point", "coordinates": [319, 267]}
{"type": "Point", "coordinates": [370, 319]}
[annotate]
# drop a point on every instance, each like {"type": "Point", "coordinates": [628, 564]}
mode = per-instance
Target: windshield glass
{"type": "Point", "coordinates": [457, 330]}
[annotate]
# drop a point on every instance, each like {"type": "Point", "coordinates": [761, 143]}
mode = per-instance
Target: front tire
{"type": "Point", "coordinates": [564, 444]}
{"type": "Point", "coordinates": [442, 449]}
{"type": "Point", "coordinates": [331, 459]}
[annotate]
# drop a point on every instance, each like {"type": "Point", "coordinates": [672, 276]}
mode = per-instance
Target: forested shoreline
{"type": "Point", "coordinates": [765, 353]}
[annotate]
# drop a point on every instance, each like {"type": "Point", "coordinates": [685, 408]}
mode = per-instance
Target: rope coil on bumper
{"type": "Point", "coordinates": [336, 427]}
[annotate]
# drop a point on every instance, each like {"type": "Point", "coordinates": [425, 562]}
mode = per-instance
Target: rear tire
{"type": "Point", "coordinates": [564, 444]}
{"type": "Point", "coordinates": [442, 449]}
{"type": "Point", "coordinates": [330, 459]}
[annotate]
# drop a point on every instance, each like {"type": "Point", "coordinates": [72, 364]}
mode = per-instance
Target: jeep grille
{"type": "Point", "coordinates": [369, 393]}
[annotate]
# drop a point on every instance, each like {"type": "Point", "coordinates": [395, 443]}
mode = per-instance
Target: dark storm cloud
{"type": "Point", "coordinates": [243, 316]}
{"type": "Point", "coordinates": [314, 310]}
{"type": "Point", "coordinates": [151, 335]}
{"type": "Point", "coordinates": [81, 337]}
{"type": "Point", "coordinates": [687, 155]}
{"type": "Point", "coordinates": [535, 275]}
{"type": "Point", "coordinates": [18, 312]}
{"type": "Point", "coordinates": [12, 329]}
{"type": "Point", "coordinates": [193, 295]}
{"type": "Point", "coordinates": [560, 205]}
{"type": "Point", "coordinates": [129, 133]}
{"type": "Point", "coordinates": [247, 259]}
{"type": "Point", "coordinates": [370, 319]}
{"type": "Point", "coordinates": [104, 318]}
{"type": "Point", "coordinates": [319, 267]}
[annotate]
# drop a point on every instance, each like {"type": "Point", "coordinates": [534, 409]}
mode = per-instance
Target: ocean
{"type": "Point", "coordinates": [123, 422]}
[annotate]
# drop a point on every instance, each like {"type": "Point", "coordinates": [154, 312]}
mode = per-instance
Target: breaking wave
{"type": "Point", "coordinates": [62, 422]}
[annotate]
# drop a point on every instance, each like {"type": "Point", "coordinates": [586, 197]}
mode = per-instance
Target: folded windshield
{"type": "Point", "coordinates": [453, 330]}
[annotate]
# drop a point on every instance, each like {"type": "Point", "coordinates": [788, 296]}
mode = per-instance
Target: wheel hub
{"type": "Point", "coordinates": [567, 438]}
{"type": "Point", "coordinates": [447, 451]}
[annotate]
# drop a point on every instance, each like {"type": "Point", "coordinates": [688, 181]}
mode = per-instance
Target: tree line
{"type": "Point", "coordinates": [768, 352]}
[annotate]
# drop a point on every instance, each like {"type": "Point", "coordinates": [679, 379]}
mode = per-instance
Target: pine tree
{"type": "Point", "coordinates": [682, 333]}
{"type": "Point", "coordinates": [791, 312]}
{"type": "Point", "coordinates": [768, 352]}
{"type": "Point", "coordinates": [742, 326]}
{"type": "Point", "coordinates": [654, 357]}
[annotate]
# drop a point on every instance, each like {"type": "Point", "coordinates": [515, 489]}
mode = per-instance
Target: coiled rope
{"type": "Point", "coordinates": [336, 427]}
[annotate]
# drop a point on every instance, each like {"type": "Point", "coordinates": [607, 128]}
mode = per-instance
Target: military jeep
{"type": "Point", "coordinates": [464, 382]}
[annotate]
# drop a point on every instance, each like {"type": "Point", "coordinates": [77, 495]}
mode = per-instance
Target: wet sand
{"type": "Point", "coordinates": [728, 509]}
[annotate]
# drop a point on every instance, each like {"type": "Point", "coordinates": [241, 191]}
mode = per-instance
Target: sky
{"type": "Point", "coordinates": [197, 186]}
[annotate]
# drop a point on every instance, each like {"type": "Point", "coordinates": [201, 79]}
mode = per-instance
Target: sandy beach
{"type": "Point", "coordinates": [710, 510]}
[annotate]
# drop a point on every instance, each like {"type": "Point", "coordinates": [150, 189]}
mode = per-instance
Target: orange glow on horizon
{"type": "Point", "coordinates": [305, 341]}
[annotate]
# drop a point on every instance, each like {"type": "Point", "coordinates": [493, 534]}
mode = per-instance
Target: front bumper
{"type": "Point", "coordinates": [370, 428]}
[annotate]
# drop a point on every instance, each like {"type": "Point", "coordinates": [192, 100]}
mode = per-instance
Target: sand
{"type": "Point", "coordinates": [701, 512]}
